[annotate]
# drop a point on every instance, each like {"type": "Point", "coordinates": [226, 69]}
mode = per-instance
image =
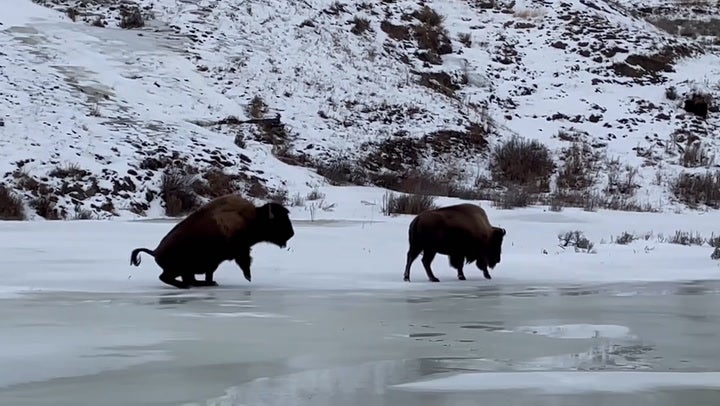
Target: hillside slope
{"type": "Point", "coordinates": [109, 120]}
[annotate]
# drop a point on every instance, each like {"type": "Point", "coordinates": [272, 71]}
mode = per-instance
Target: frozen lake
{"type": "Point", "coordinates": [239, 346]}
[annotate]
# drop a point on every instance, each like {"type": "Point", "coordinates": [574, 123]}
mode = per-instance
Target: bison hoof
{"type": "Point", "coordinates": [434, 280]}
{"type": "Point", "coordinates": [461, 277]}
{"type": "Point", "coordinates": [487, 275]}
{"type": "Point", "coordinates": [406, 279]}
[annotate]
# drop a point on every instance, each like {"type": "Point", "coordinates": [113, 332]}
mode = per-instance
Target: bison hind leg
{"type": "Point", "coordinates": [188, 277]}
{"type": "Point", "coordinates": [209, 279]}
{"type": "Point", "coordinates": [170, 279]}
{"type": "Point", "coordinates": [456, 261]}
{"type": "Point", "coordinates": [427, 259]}
{"type": "Point", "coordinates": [412, 254]}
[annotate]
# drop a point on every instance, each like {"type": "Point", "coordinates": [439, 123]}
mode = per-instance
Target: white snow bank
{"type": "Point", "coordinates": [567, 382]}
{"type": "Point", "coordinates": [354, 247]}
{"type": "Point", "coordinates": [28, 12]}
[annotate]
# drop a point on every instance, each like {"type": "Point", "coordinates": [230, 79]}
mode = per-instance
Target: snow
{"type": "Point", "coordinates": [568, 382]}
{"type": "Point", "coordinates": [105, 98]}
{"type": "Point", "coordinates": [354, 247]}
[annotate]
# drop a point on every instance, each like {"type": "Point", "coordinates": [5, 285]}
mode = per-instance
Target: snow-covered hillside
{"type": "Point", "coordinates": [109, 121]}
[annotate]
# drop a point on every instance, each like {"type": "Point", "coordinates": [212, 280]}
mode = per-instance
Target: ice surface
{"type": "Point", "coordinates": [565, 382]}
{"type": "Point", "coordinates": [331, 348]}
{"type": "Point", "coordinates": [576, 331]}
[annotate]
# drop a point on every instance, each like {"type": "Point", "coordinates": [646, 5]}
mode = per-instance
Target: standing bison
{"type": "Point", "coordinates": [224, 229]}
{"type": "Point", "coordinates": [462, 232]}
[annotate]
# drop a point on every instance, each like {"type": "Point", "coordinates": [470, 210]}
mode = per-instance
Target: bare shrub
{"type": "Point", "coordinates": [592, 201]}
{"type": "Point", "coordinates": [522, 162]}
{"type": "Point", "coordinates": [11, 205]}
{"type": "Point", "coordinates": [422, 181]}
{"type": "Point", "coordinates": [671, 93]}
{"type": "Point", "coordinates": [465, 38]}
{"type": "Point", "coordinates": [131, 17]}
{"type": "Point", "coordinates": [216, 183]}
{"type": "Point", "coordinates": [44, 206]}
{"type": "Point", "coordinates": [95, 110]}
{"type": "Point", "coordinates": [621, 180]}
{"type": "Point", "coordinates": [341, 171]}
{"type": "Point", "coordinates": [297, 200]}
{"type": "Point", "coordinates": [625, 238]}
{"type": "Point", "coordinates": [715, 254]}
{"type": "Point", "coordinates": [360, 25]}
{"type": "Point", "coordinates": [315, 194]}
{"type": "Point", "coordinates": [579, 168]}
{"type": "Point", "coordinates": [99, 22]}
{"type": "Point", "coordinates": [556, 203]}
{"type": "Point", "coordinates": [529, 13]}
{"type": "Point", "coordinates": [430, 34]}
{"type": "Point", "coordinates": [70, 170]}
{"type": "Point", "coordinates": [713, 241]}
{"type": "Point", "coordinates": [513, 197]}
{"type": "Point", "coordinates": [695, 155]}
{"type": "Point", "coordinates": [257, 107]}
{"type": "Point", "coordinates": [82, 214]}
{"type": "Point", "coordinates": [177, 189]}
{"type": "Point", "coordinates": [406, 203]}
{"type": "Point", "coordinates": [72, 13]}
{"type": "Point", "coordinates": [577, 240]}
{"type": "Point", "coordinates": [686, 238]}
{"type": "Point", "coordinates": [697, 189]}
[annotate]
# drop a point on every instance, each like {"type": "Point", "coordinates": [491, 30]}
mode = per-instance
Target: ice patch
{"type": "Point", "coordinates": [567, 382]}
{"type": "Point", "coordinates": [577, 331]}
{"type": "Point", "coordinates": [232, 314]}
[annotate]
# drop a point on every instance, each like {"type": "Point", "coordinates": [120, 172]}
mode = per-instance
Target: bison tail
{"type": "Point", "coordinates": [135, 257]}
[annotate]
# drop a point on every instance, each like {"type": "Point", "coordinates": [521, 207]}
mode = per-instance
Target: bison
{"type": "Point", "coordinates": [462, 232]}
{"type": "Point", "coordinates": [223, 229]}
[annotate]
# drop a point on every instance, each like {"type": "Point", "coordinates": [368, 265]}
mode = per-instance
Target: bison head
{"type": "Point", "coordinates": [495, 247]}
{"type": "Point", "coordinates": [275, 224]}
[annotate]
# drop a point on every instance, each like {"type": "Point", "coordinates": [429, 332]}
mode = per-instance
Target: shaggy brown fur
{"type": "Point", "coordinates": [462, 232]}
{"type": "Point", "coordinates": [224, 229]}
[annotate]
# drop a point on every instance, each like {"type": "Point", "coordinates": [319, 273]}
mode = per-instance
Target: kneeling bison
{"type": "Point", "coordinates": [223, 229]}
{"type": "Point", "coordinates": [462, 232]}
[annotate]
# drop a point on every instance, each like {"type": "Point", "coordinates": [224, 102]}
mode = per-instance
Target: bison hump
{"type": "Point", "coordinates": [229, 222]}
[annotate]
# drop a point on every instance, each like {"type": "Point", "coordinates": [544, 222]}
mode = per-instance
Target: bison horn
{"type": "Point", "coordinates": [270, 213]}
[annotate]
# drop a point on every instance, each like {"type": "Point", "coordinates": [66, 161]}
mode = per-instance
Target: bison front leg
{"type": "Point", "coordinates": [243, 260]}
{"type": "Point", "coordinates": [482, 265]}
{"type": "Point", "coordinates": [427, 259]}
{"type": "Point", "coordinates": [457, 262]}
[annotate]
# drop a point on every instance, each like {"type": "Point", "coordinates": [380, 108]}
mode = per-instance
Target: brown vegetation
{"type": "Point", "coordinates": [521, 162]}
{"type": "Point", "coordinates": [697, 189]}
{"type": "Point", "coordinates": [177, 189]}
{"type": "Point", "coordinates": [11, 205]}
{"type": "Point", "coordinates": [406, 203]}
